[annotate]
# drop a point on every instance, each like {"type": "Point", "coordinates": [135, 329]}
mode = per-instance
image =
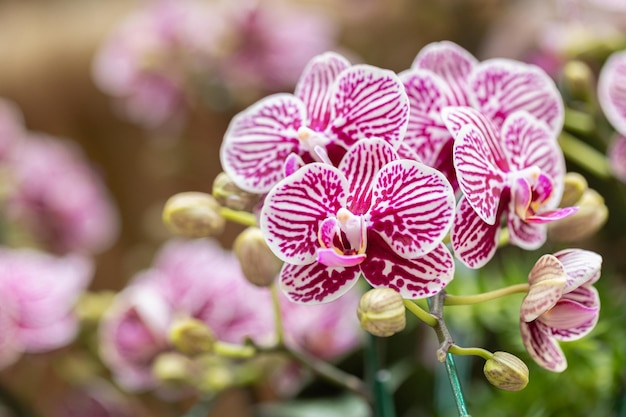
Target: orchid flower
{"type": "Point", "coordinates": [515, 171]}
{"type": "Point", "coordinates": [334, 106]}
{"type": "Point", "coordinates": [375, 215]}
{"type": "Point", "coordinates": [444, 74]}
{"type": "Point", "coordinates": [612, 98]}
{"type": "Point", "coordinates": [561, 305]}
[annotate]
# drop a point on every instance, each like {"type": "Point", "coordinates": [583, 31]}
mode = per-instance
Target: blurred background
{"type": "Point", "coordinates": [146, 99]}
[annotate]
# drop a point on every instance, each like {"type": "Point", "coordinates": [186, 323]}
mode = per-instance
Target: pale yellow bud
{"type": "Point", "coordinates": [92, 305]}
{"type": "Point", "coordinates": [381, 312]}
{"type": "Point", "coordinates": [506, 371]}
{"type": "Point", "coordinates": [574, 186]}
{"type": "Point", "coordinates": [258, 264]}
{"type": "Point", "coordinates": [229, 195]}
{"type": "Point", "coordinates": [172, 368]}
{"type": "Point", "coordinates": [578, 80]}
{"type": "Point", "coordinates": [193, 215]}
{"type": "Point", "coordinates": [191, 336]}
{"type": "Point", "coordinates": [214, 374]}
{"type": "Point", "coordinates": [591, 215]}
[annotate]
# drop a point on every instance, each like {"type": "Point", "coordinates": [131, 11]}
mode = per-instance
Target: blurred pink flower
{"type": "Point", "coordinates": [59, 198]}
{"type": "Point", "coordinates": [198, 279]}
{"type": "Point", "coordinates": [96, 398]}
{"type": "Point", "coordinates": [37, 294]}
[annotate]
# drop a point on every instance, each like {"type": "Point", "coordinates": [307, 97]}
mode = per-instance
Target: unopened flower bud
{"type": "Point", "coordinates": [229, 195]}
{"type": "Point", "coordinates": [192, 337]}
{"type": "Point", "coordinates": [193, 215]}
{"type": "Point", "coordinates": [172, 368]}
{"type": "Point", "coordinates": [591, 215]}
{"type": "Point", "coordinates": [258, 264]}
{"type": "Point", "coordinates": [381, 312]}
{"type": "Point", "coordinates": [574, 186]}
{"type": "Point", "coordinates": [214, 374]}
{"type": "Point", "coordinates": [506, 371]}
{"type": "Point", "coordinates": [578, 80]}
{"type": "Point", "coordinates": [92, 305]}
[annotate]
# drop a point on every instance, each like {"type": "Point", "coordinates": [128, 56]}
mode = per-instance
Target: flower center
{"type": "Point", "coordinates": [314, 143]}
{"type": "Point", "coordinates": [343, 240]}
{"type": "Point", "coordinates": [531, 189]}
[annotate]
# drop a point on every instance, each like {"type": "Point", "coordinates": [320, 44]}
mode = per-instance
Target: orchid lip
{"type": "Point", "coordinates": [332, 258]}
{"type": "Point", "coordinates": [343, 240]}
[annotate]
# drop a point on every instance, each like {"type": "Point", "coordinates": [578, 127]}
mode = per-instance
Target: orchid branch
{"type": "Point", "coordinates": [455, 300]}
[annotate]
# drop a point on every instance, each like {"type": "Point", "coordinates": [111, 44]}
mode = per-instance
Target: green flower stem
{"type": "Point", "coordinates": [579, 121]}
{"type": "Point", "coordinates": [504, 237]}
{"type": "Point", "coordinates": [443, 355]}
{"type": "Point", "coordinates": [473, 351]}
{"type": "Point", "coordinates": [456, 300]}
{"type": "Point", "coordinates": [231, 350]}
{"type": "Point", "coordinates": [278, 317]}
{"type": "Point", "coordinates": [382, 400]}
{"type": "Point", "coordinates": [584, 155]}
{"type": "Point", "coordinates": [420, 313]}
{"type": "Point", "coordinates": [242, 217]}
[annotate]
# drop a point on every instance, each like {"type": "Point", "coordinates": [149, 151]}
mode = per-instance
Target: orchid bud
{"type": "Point", "coordinates": [213, 374]}
{"type": "Point", "coordinates": [381, 312]}
{"type": "Point", "coordinates": [591, 215]}
{"type": "Point", "coordinates": [574, 186]}
{"type": "Point", "coordinates": [91, 305]}
{"type": "Point", "coordinates": [191, 337]}
{"type": "Point", "coordinates": [229, 195]}
{"type": "Point", "coordinates": [578, 80]}
{"type": "Point", "coordinates": [506, 371]}
{"type": "Point", "coordinates": [172, 368]}
{"type": "Point", "coordinates": [193, 215]}
{"type": "Point", "coordinates": [258, 264]}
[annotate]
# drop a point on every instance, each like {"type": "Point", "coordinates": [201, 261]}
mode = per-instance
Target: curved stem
{"type": "Point", "coordinates": [418, 312]}
{"type": "Point", "coordinates": [242, 217]}
{"type": "Point", "coordinates": [473, 351]}
{"type": "Point", "coordinates": [584, 155]}
{"type": "Point", "coordinates": [231, 350]}
{"type": "Point", "coordinates": [455, 300]}
{"type": "Point", "coordinates": [579, 121]}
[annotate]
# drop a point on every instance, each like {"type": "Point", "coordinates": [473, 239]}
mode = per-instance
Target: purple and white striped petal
{"type": "Point", "coordinates": [314, 87]}
{"type": "Point", "coordinates": [547, 280]}
{"type": "Point", "coordinates": [412, 207]}
{"type": "Point", "coordinates": [617, 157]}
{"type": "Point", "coordinates": [587, 300]}
{"type": "Point", "coordinates": [450, 62]}
{"type": "Point", "coordinates": [542, 347]}
{"type": "Point", "coordinates": [529, 142]}
{"type": "Point", "coordinates": [412, 278]}
{"type": "Point", "coordinates": [294, 209]}
{"type": "Point", "coordinates": [612, 90]}
{"type": "Point", "coordinates": [474, 241]}
{"type": "Point", "coordinates": [569, 320]}
{"type": "Point", "coordinates": [316, 283]}
{"type": "Point", "coordinates": [523, 234]}
{"type": "Point", "coordinates": [502, 87]}
{"type": "Point", "coordinates": [479, 163]}
{"type": "Point", "coordinates": [551, 215]}
{"type": "Point", "coordinates": [426, 133]}
{"type": "Point", "coordinates": [259, 140]}
{"type": "Point", "coordinates": [360, 166]}
{"type": "Point", "coordinates": [368, 102]}
{"type": "Point", "coordinates": [582, 266]}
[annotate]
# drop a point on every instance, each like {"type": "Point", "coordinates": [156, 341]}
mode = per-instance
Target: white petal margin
{"type": "Point", "coordinates": [612, 90]}
{"type": "Point", "coordinates": [259, 140]}
{"type": "Point", "coordinates": [294, 209]}
{"type": "Point", "coordinates": [412, 207]}
{"type": "Point", "coordinates": [542, 347]}
{"type": "Point", "coordinates": [314, 87]}
{"type": "Point", "coordinates": [316, 283]}
{"type": "Point", "coordinates": [368, 102]}
{"type": "Point", "coordinates": [503, 86]}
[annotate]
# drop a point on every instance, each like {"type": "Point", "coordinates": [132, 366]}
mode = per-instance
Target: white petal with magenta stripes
{"type": "Point", "coordinates": [314, 87]}
{"type": "Point", "coordinates": [316, 283]}
{"type": "Point", "coordinates": [259, 140]}
{"type": "Point", "coordinates": [368, 102]}
{"type": "Point", "coordinates": [480, 180]}
{"type": "Point", "coordinates": [612, 90]}
{"type": "Point", "coordinates": [581, 308]}
{"type": "Point", "coordinates": [412, 207]}
{"type": "Point", "coordinates": [526, 235]}
{"type": "Point", "coordinates": [502, 87]}
{"type": "Point", "coordinates": [582, 266]}
{"type": "Point", "coordinates": [412, 278]}
{"type": "Point", "coordinates": [295, 208]}
{"type": "Point", "coordinates": [474, 241]}
{"type": "Point", "coordinates": [426, 132]}
{"type": "Point", "coordinates": [450, 62]}
{"type": "Point", "coordinates": [546, 280]}
{"type": "Point", "coordinates": [360, 165]}
{"type": "Point", "coordinates": [542, 347]}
